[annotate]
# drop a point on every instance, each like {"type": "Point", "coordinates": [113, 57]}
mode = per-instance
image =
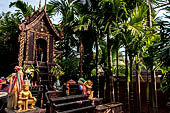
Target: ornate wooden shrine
{"type": "Point", "coordinates": [37, 39]}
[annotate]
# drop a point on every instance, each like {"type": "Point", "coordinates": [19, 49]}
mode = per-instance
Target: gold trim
{"type": "Point", "coordinates": [53, 59]}
{"type": "Point", "coordinates": [40, 32]}
{"type": "Point", "coordinates": [34, 51]}
{"type": "Point", "coordinates": [48, 48]}
{"type": "Point", "coordinates": [27, 46]}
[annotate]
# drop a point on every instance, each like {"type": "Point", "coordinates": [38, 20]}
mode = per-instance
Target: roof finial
{"type": "Point", "coordinates": [39, 5]}
{"type": "Point", "coordinates": [34, 8]}
{"type": "Point", "coordinates": [45, 5]}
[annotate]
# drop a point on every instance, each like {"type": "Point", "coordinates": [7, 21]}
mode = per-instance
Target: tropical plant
{"type": "Point", "coordinates": [29, 71]}
{"type": "Point", "coordinates": [133, 37]}
{"type": "Point", "coordinates": [9, 41]}
{"type": "Point", "coordinates": [23, 9]}
{"type": "Point", "coordinates": [57, 71]}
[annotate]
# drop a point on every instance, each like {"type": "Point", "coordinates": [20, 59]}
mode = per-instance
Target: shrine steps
{"type": "Point", "coordinates": [43, 72]}
{"type": "Point", "coordinates": [41, 63]}
{"type": "Point", "coordinates": [43, 68]}
{"type": "Point", "coordinates": [69, 104]}
{"type": "Point", "coordinates": [66, 99]}
{"type": "Point", "coordinates": [87, 109]}
{"type": "Point", "coordinates": [72, 104]}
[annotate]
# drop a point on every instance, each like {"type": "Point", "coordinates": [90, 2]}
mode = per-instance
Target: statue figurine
{"type": "Point", "coordinates": [89, 85]}
{"type": "Point", "coordinates": [25, 98]}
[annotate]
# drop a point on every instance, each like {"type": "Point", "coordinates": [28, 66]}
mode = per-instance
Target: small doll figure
{"type": "Point", "coordinates": [15, 86]}
{"type": "Point", "coordinates": [82, 87]}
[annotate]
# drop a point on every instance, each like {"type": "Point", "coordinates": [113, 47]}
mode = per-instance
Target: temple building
{"type": "Point", "coordinates": [37, 43]}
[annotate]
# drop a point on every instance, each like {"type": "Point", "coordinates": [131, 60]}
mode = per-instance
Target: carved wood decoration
{"type": "Point", "coordinates": [21, 51]}
{"type": "Point", "coordinates": [33, 30]}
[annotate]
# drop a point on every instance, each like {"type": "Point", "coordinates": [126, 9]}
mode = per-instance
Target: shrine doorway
{"type": "Point", "coordinates": [41, 50]}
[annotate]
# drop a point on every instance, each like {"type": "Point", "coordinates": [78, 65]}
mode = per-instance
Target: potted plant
{"type": "Point", "coordinates": [57, 71]}
{"type": "Point", "coordinates": [29, 72]}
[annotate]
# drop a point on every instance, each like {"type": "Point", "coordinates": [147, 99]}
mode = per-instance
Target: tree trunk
{"type": "Point", "coordinates": [154, 92]}
{"type": "Point", "coordinates": [149, 14]}
{"type": "Point", "coordinates": [138, 87]}
{"type": "Point", "coordinates": [153, 82]}
{"type": "Point", "coordinates": [147, 93]}
{"type": "Point", "coordinates": [109, 76]}
{"type": "Point", "coordinates": [168, 103]}
{"type": "Point", "coordinates": [109, 53]}
{"type": "Point", "coordinates": [97, 77]}
{"type": "Point", "coordinates": [117, 75]}
{"type": "Point", "coordinates": [127, 83]}
{"type": "Point", "coordinates": [81, 58]}
{"type": "Point", "coordinates": [131, 85]}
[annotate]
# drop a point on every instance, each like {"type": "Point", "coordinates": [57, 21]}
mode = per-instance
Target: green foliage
{"type": "Point", "coordinates": [165, 81]}
{"type": "Point", "coordinates": [24, 9]}
{"type": "Point", "coordinates": [57, 71]}
{"type": "Point", "coordinates": [29, 71]}
{"type": "Point", "coordinates": [8, 41]}
{"type": "Point", "coordinates": [69, 66]}
{"type": "Point", "coordinates": [124, 20]}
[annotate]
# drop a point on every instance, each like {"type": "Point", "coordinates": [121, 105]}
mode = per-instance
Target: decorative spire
{"type": "Point", "coordinates": [39, 5]}
{"type": "Point", "coordinates": [34, 8]}
{"type": "Point", "coordinates": [45, 5]}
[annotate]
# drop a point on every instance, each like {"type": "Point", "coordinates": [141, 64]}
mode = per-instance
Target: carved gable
{"type": "Point", "coordinates": [41, 27]}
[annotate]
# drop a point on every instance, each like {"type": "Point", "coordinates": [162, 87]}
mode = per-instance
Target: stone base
{"type": "Point", "coordinates": [97, 101]}
{"type": "Point", "coordinates": [37, 110]}
{"type": "Point", "coordinates": [109, 108]}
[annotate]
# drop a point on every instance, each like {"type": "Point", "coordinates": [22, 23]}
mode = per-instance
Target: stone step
{"type": "Point", "coordinates": [41, 63]}
{"type": "Point", "coordinates": [87, 109]}
{"type": "Point", "coordinates": [67, 99]}
{"type": "Point", "coordinates": [114, 107]}
{"type": "Point", "coordinates": [29, 62]}
{"type": "Point", "coordinates": [72, 105]}
{"type": "Point", "coordinates": [44, 82]}
{"type": "Point", "coordinates": [43, 70]}
{"type": "Point", "coordinates": [43, 74]}
{"type": "Point", "coordinates": [42, 67]}
{"type": "Point", "coordinates": [51, 64]}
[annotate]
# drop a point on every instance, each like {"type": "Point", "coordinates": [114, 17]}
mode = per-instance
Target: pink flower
{"type": "Point", "coordinates": [17, 68]}
{"type": "Point", "coordinates": [80, 102]}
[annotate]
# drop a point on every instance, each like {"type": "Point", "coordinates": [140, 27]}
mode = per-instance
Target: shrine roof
{"type": "Point", "coordinates": [37, 17]}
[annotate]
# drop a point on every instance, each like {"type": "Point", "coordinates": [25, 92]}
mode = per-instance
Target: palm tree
{"type": "Point", "coordinates": [66, 9]}
{"type": "Point", "coordinates": [153, 80]}
{"type": "Point", "coordinates": [163, 48]}
{"type": "Point", "coordinates": [117, 44]}
{"type": "Point", "coordinates": [133, 42]}
{"type": "Point", "coordinates": [110, 8]}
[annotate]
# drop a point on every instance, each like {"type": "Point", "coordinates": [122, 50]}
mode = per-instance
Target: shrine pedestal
{"type": "Point", "coordinates": [37, 110]}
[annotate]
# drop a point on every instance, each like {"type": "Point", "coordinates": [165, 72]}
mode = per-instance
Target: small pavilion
{"type": "Point", "coordinates": [37, 42]}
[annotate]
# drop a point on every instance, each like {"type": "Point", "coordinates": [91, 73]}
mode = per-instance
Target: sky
{"type": "Point", "coordinates": [4, 6]}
